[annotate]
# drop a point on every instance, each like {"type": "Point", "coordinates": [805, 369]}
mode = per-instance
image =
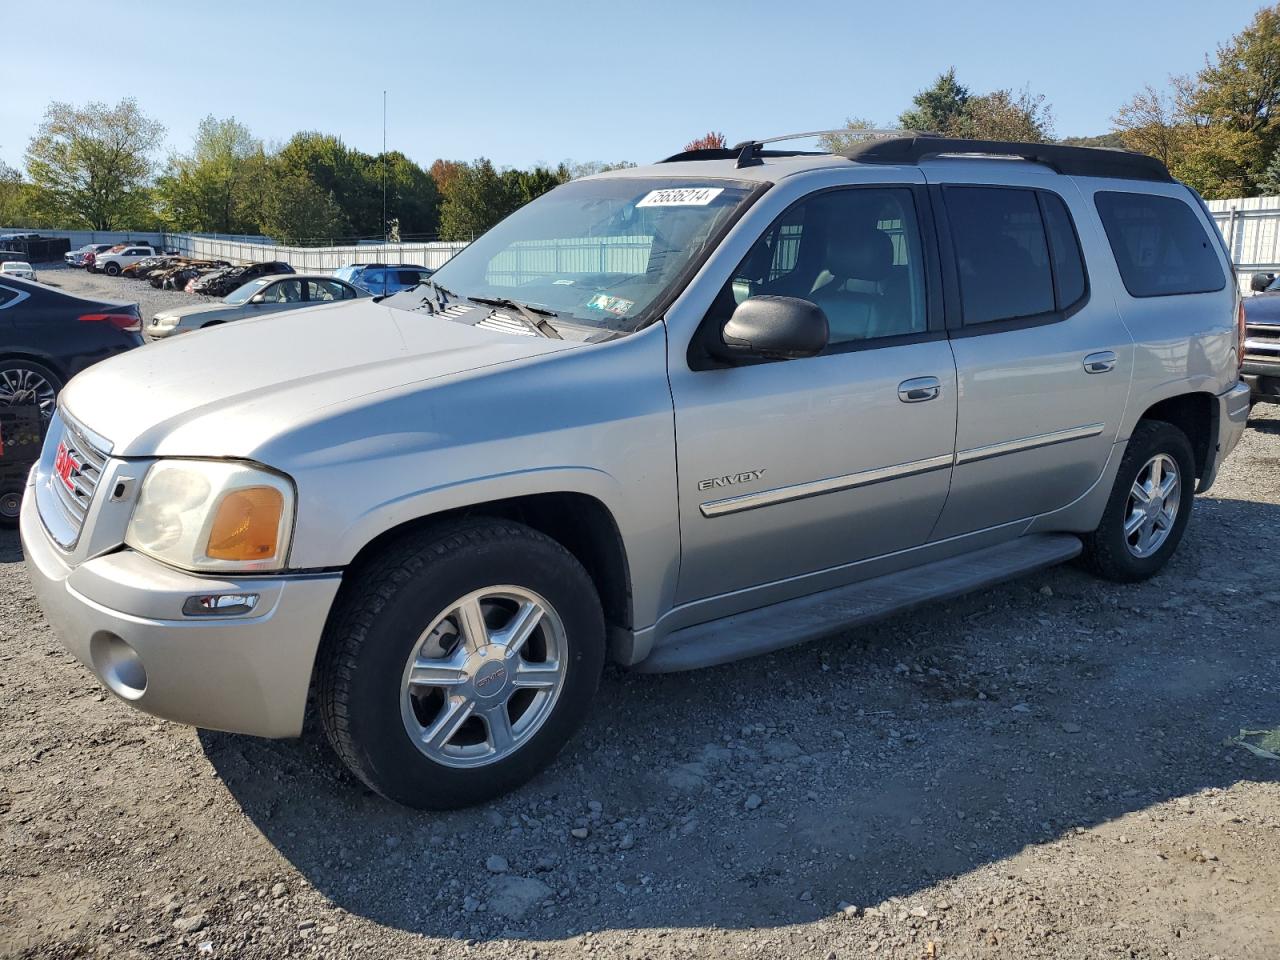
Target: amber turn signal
{"type": "Point", "coordinates": [246, 525]}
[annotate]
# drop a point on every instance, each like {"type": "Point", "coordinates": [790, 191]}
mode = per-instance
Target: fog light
{"type": "Point", "coordinates": [119, 665]}
{"type": "Point", "coordinates": [220, 604]}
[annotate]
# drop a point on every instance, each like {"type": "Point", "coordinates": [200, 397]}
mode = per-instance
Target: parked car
{"type": "Point", "coordinates": [76, 258]}
{"type": "Point", "coordinates": [1262, 338]}
{"type": "Point", "coordinates": [221, 282]}
{"type": "Point", "coordinates": [47, 337]}
{"type": "Point", "coordinates": [119, 257]}
{"type": "Point", "coordinates": [840, 386]}
{"type": "Point", "coordinates": [17, 268]}
{"type": "Point", "coordinates": [382, 279]}
{"type": "Point", "coordinates": [257, 298]}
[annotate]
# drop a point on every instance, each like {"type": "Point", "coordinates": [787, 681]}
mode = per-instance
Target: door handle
{"type": "Point", "coordinates": [919, 389]}
{"type": "Point", "coordinates": [1101, 362]}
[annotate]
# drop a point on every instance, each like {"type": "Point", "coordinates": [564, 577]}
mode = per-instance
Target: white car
{"type": "Point", "coordinates": [16, 268]}
{"type": "Point", "coordinates": [76, 258]}
{"type": "Point", "coordinates": [115, 260]}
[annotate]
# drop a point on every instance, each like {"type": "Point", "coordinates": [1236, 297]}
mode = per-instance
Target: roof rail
{"type": "Point", "coordinates": [1072, 161]}
{"type": "Point", "coordinates": [749, 154]}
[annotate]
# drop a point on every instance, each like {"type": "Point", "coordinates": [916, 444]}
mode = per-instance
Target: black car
{"type": "Point", "coordinates": [224, 281]}
{"type": "Point", "coordinates": [1261, 366]}
{"type": "Point", "coordinates": [47, 337]}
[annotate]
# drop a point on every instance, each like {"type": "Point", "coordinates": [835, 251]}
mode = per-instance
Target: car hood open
{"type": "Point", "coordinates": [228, 390]}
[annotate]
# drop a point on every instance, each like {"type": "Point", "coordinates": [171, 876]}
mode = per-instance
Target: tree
{"type": "Point", "coordinates": [476, 198]}
{"type": "Point", "coordinates": [708, 141]}
{"type": "Point", "coordinates": [840, 142]}
{"type": "Point", "coordinates": [16, 200]}
{"type": "Point", "coordinates": [1004, 115]}
{"type": "Point", "coordinates": [587, 168]}
{"type": "Point", "coordinates": [212, 188]}
{"type": "Point", "coordinates": [1153, 122]}
{"type": "Point", "coordinates": [936, 108]}
{"type": "Point", "coordinates": [443, 173]}
{"type": "Point", "coordinates": [91, 165]}
{"type": "Point", "coordinates": [296, 208]}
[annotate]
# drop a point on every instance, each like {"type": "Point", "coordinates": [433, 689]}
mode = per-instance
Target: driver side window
{"type": "Point", "coordinates": [854, 252]}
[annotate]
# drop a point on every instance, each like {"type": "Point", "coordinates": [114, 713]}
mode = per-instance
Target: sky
{"type": "Point", "coordinates": [540, 81]}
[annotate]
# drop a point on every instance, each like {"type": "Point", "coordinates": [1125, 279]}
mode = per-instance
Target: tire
{"type": "Point", "coordinates": [409, 602]}
{"type": "Point", "coordinates": [112, 269]}
{"type": "Point", "coordinates": [24, 381]}
{"type": "Point", "coordinates": [10, 505]}
{"type": "Point", "coordinates": [1128, 558]}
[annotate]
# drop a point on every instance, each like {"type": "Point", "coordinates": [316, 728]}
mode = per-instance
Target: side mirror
{"type": "Point", "coordinates": [1260, 281]}
{"type": "Point", "coordinates": [257, 298]}
{"type": "Point", "coordinates": [776, 328]}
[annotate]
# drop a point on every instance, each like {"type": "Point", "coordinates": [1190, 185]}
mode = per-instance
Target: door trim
{"type": "Point", "coordinates": [974, 454]}
{"type": "Point", "coordinates": [816, 488]}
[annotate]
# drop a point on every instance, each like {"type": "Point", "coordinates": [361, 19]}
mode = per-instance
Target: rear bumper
{"type": "Point", "coordinates": [1233, 414]}
{"type": "Point", "coordinates": [120, 615]}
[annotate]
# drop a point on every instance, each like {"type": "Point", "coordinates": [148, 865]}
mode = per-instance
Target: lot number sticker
{"type": "Point", "coordinates": [681, 197]}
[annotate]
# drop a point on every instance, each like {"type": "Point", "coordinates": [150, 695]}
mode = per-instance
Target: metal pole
{"type": "Point", "coordinates": [384, 166]}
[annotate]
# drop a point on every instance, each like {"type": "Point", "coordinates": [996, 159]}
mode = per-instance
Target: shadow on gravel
{"type": "Point", "coordinates": [884, 760]}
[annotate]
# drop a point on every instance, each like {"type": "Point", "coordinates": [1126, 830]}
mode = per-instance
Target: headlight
{"type": "Point", "coordinates": [165, 320]}
{"type": "Point", "coordinates": [213, 515]}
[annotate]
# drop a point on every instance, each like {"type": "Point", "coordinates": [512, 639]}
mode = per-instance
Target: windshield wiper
{"type": "Point", "coordinates": [536, 317]}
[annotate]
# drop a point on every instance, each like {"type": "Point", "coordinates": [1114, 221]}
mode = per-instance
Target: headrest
{"type": "Point", "coordinates": [860, 254]}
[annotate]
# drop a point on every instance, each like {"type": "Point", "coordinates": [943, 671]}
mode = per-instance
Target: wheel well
{"type": "Point", "coordinates": [36, 358]}
{"type": "Point", "coordinates": [1192, 413]}
{"type": "Point", "coordinates": [578, 522]}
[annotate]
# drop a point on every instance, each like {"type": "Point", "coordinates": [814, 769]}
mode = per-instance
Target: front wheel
{"type": "Point", "coordinates": [1149, 507]}
{"type": "Point", "coordinates": [459, 663]}
{"type": "Point", "coordinates": [112, 269]}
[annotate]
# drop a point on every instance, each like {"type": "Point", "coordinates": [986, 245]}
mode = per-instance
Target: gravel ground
{"type": "Point", "coordinates": [1041, 770]}
{"type": "Point", "coordinates": [82, 283]}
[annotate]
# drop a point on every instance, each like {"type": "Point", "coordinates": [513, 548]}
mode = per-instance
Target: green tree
{"type": "Point", "coordinates": [17, 200]}
{"type": "Point", "coordinates": [213, 188]}
{"type": "Point", "coordinates": [935, 108]}
{"type": "Point", "coordinates": [1004, 115]}
{"type": "Point", "coordinates": [91, 165]}
{"type": "Point", "coordinates": [476, 198]}
{"type": "Point", "coordinates": [297, 209]}
{"type": "Point", "coordinates": [840, 142]}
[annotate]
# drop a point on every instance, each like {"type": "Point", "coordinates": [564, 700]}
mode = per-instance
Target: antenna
{"type": "Point", "coordinates": [384, 166]}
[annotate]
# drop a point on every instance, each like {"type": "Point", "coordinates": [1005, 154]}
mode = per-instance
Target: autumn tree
{"type": "Point", "coordinates": [92, 165]}
{"type": "Point", "coordinates": [708, 141]}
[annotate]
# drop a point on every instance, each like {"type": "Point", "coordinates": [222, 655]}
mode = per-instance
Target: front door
{"type": "Point", "coordinates": [1043, 357]}
{"type": "Point", "coordinates": [790, 468]}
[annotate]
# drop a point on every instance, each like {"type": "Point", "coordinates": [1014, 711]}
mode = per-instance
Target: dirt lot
{"type": "Point", "coordinates": [84, 284]}
{"type": "Point", "coordinates": [1042, 770]}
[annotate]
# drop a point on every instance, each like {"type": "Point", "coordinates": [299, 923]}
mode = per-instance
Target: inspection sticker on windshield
{"type": "Point", "coordinates": [681, 197]}
{"type": "Point", "coordinates": [618, 306]}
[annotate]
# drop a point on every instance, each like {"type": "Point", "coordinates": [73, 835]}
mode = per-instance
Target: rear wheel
{"type": "Point", "coordinates": [458, 664]}
{"type": "Point", "coordinates": [10, 504]}
{"type": "Point", "coordinates": [112, 269]}
{"type": "Point", "coordinates": [27, 383]}
{"type": "Point", "coordinates": [1149, 507]}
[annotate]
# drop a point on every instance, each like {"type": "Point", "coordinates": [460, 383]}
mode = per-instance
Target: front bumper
{"type": "Point", "coordinates": [120, 614]}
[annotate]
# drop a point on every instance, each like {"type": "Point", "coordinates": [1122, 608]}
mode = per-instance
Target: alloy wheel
{"type": "Point", "coordinates": [1152, 507]}
{"type": "Point", "coordinates": [23, 386]}
{"type": "Point", "coordinates": [484, 676]}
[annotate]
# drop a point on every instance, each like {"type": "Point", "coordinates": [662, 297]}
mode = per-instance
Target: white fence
{"type": "Point", "coordinates": [310, 259]}
{"type": "Point", "coordinates": [1251, 227]}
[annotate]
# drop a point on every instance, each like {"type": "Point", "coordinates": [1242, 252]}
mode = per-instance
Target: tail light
{"type": "Point", "coordinates": [1240, 335]}
{"type": "Point", "coordinates": [127, 322]}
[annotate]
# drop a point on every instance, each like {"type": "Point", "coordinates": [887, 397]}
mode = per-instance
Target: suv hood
{"type": "Point", "coordinates": [227, 390]}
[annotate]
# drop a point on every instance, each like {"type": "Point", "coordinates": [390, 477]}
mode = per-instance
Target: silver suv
{"type": "Point", "coordinates": [675, 415]}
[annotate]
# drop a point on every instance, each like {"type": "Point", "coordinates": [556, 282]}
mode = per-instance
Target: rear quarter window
{"type": "Point", "coordinates": [1160, 245]}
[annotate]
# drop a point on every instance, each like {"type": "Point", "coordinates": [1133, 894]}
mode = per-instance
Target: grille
{"type": "Point", "coordinates": [1261, 342]}
{"type": "Point", "coordinates": [75, 476]}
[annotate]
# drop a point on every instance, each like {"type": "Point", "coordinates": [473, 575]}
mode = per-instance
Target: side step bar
{"type": "Point", "coordinates": [783, 624]}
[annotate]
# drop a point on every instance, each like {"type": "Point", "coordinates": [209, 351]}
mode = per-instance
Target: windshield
{"type": "Point", "coordinates": [599, 253]}
{"type": "Point", "coordinates": [242, 294]}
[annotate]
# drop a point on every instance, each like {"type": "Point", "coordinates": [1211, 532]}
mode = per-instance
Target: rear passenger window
{"type": "Point", "coordinates": [1001, 253]}
{"type": "Point", "coordinates": [1159, 244]}
{"type": "Point", "coordinates": [1068, 267]}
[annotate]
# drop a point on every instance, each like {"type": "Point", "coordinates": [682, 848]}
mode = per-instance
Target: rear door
{"type": "Point", "coordinates": [1043, 358]}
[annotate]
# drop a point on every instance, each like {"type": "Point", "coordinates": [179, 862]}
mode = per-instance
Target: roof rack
{"type": "Point", "coordinates": [1072, 161]}
{"type": "Point", "coordinates": [749, 154]}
